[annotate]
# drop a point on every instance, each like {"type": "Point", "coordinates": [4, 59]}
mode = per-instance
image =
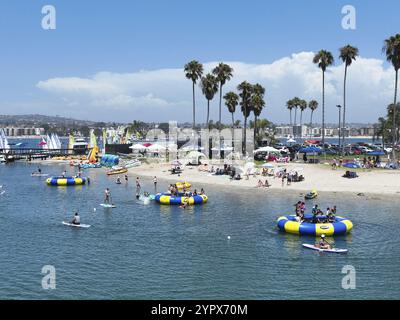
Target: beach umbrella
{"type": "Point", "coordinates": [156, 148]}
{"type": "Point", "coordinates": [376, 153]}
{"type": "Point", "coordinates": [352, 165]}
{"type": "Point", "coordinates": [138, 146]}
{"type": "Point", "coordinates": [42, 143]}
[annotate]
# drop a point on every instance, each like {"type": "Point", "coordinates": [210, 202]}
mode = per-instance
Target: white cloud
{"type": "Point", "coordinates": [165, 94]}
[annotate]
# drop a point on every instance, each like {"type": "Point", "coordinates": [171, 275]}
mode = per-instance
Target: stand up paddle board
{"type": "Point", "coordinates": [333, 250]}
{"type": "Point", "coordinates": [2, 192]}
{"type": "Point", "coordinates": [105, 205]}
{"type": "Point", "coordinates": [76, 225]}
{"type": "Point", "coordinates": [39, 174]}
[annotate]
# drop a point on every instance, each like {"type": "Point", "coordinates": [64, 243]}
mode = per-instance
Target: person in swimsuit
{"type": "Point", "coordinates": [107, 195]}
{"type": "Point", "coordinates": [76, 220]}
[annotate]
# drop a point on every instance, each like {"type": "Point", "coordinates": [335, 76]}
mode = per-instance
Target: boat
{"type": "Point", "coordinates": [332, 250]}
{"type": "Point", "coordinates": [2, 159]}
{"type": "Point", "coordinates": [311, 195]}
{"type": "Point", "coordinates": [80, 146]}
{"type": "Point", "coordinates": [117, 171]}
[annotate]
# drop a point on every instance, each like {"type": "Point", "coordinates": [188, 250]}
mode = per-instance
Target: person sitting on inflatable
{"type": "Point", "coordinates": [323, 244]}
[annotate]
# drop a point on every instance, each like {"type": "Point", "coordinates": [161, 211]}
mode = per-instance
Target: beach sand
{"type": "Point", "coordinates": [320, 177]}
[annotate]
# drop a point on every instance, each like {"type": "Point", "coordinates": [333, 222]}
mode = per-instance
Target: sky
{"type": "Point", "coordinates": [122, 60]}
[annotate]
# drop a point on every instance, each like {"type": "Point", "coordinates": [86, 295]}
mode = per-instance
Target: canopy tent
{"type": "Point", "coordinates": [191, 148]}
{"type": "Point", "coordinates": [156, 148]}
{"type": "Point", "coordinates": [310, 149]}
{"type": "Point", "coordinates": [376, 153]}
{"type": "Point", "coordinates": [266, 149]}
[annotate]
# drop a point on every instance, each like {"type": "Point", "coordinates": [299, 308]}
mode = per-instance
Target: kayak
{"type": "Point", "coordinates": [333, 250]}
{"type": "Point", "coordinates": [105, 205]}
{"type": "Point", "coordinates": [76, 225]}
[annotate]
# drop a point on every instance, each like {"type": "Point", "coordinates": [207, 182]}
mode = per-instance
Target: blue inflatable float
{"type": "Point", "coordinates": [180, 198]}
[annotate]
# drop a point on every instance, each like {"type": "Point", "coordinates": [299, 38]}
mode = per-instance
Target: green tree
{"type": "Point", "coordinates": [323, 59]}
{"type": "Point", "coordinates": [313, 105]}
{"type": "Point", "coordinates": [193, 71]}
{"type": "Point", "coordinates": [245, 92]}
{"type": "Point", "coordinates": [391, 48]}
{"type": "Point", "coordinates": [347, 54]}
{"type": "Point", "coordinates": [302, 106]}
{"type": "Point", "coordinates": [209, 87]}
{"type": "Point", "coordinates": [257, 103]}
{"type": "Point", "coordinates": [231, 102]}
{"type": "Point", "coordinates": [223, 73]}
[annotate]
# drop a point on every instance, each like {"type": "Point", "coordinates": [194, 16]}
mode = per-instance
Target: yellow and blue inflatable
{"type": "Point", "coordinates": [180, 198]}
{"type": "Point", "coordinates": [339, 226]}
{"type": "Point", "coordinates": [183, 185]}
{"type": "Point", "coordinates": [65, 181]}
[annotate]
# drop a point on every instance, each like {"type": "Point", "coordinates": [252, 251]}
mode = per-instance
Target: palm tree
{"type": "Point", "coordinates": [313, 105]}
{"type": "Point", "coordinates": [246, 90]}
{"type": "Point", "coordinates": [290, 106]}
{"type": "Point", "coordinates": [193, 71]}
{"type": "Point", "coordinates": [347, 54]}
{"type": "Point", "coordinates": [258, 103]}
{"type": "Point", "coordinates": [296, 104]}
{"type": "Point", "coordinates": [209, 87]}
{"type": "Point", "coordinates": [323, 59]}
{"type": "Point", "coordinates": [223, 72]}
{"type": "Point", "coordinates": [302, 106]}
{"type": "Point", "coordinates": [231, 101]}
{"type": "Point", "coordinates": [391, 49]}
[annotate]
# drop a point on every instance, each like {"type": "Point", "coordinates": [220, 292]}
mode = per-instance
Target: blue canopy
{"type": "Point", "coordinates": [310, 149]}
{"type": "Point", "coordinates": [351, 165]}
{"type": "Point", "coordinates": [376, 153]}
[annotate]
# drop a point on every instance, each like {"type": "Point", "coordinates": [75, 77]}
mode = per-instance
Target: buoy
{"type": "Point", "coordinates": [94, 209]}
{"type": "Point", "coordinates": [229, 237]}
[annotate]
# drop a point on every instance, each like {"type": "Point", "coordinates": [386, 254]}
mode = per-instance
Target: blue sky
{"type": "Point", "coordinates": [125, 37]}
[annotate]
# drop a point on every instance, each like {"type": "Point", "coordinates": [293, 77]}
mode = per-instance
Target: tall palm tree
{"type": "Point", "coordinates": [290, 106]}
{"type": "Point", "coordinates": [323, 59]}
{"type": "Point", "coordinates": [347, 54]}
{"type": "Point", "coordinates": [258, 103]}
{"type": "Point", "coordinates": [193, 71]}
{"type": "Point", "coordinates": [223, 72]}
{"type": "Point", "coordinates": [209, 87]}
{"type": "Point", "coordinates": [245, 91]}
{"type": "Point", "coordinates": [391, 48]}
{"type": "Point", "coordinates": [296, 104]}
{"type": "Point", "coordinates": [302, 106]}
{"type": "Point", "coordinates": [313, 105]}
{"type": "Point", "coordinates": [231, 101]}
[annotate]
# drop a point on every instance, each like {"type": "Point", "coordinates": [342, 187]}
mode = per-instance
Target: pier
{"type": "Point", "coordinates": [30, 154]}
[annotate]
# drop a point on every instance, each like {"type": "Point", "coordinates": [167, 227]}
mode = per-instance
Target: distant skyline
{"type": "Point", "coordinates": [123, 60]}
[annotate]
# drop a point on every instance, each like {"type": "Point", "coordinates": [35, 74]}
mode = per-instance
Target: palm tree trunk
{"type": "Point", "coordinates": [295, 116]}
{"type": "Point", "coordinates": [194, 110]}
{"type": "Point", "coordinates": [208, 114]}
{"type": "Point", "coordinates": [323, 109]}
{"type": "Point", "coordinates": [220, 105]}
{"type": "Point", "coordinates": [233, 130]}
{"type": "Point", "coordinates": [301, 122]}
{"type": "Point", "coordinates": [344, 108]}
{"type": "Point", "coordinates": [312, 111]}
{"type": "Point", "coordinates": [244, 133]}
{"type": "Point", "coordinates": [255, 131]}
{"type": "Point", "coordinates": [290, 117]}
{"type": "Point", "coordinates": [394, 114]}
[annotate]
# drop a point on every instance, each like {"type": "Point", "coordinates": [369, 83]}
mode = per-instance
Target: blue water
{"type": "Point", "coordinates": [139, 251]}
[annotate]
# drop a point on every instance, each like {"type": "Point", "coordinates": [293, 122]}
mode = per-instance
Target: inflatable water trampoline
{"type": "Point", "coordinates": [180, 198]}
{"type": "Point", "coordinates": [65, 181]}
{"type": "Point", "coordinates": [339, 226]}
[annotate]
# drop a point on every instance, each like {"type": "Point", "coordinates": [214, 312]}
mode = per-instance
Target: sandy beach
{"type": "Point", "coordinates": [320, 177]}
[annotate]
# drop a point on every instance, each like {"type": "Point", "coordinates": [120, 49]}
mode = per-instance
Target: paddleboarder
{"type": "Point", "coordinates": [76, 220]}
